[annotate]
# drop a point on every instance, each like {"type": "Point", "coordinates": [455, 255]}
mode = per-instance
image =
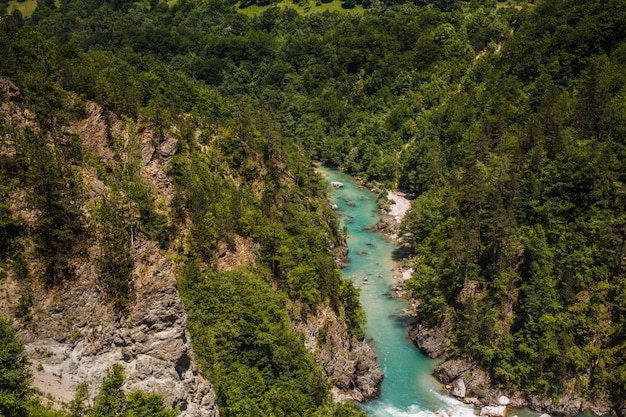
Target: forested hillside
{"type": "Point", "coordinates": [519, 225]}
{"type": "Point", "coordinates": [505, 119]}
{"type": "Point", "coordinates": [233, 204]}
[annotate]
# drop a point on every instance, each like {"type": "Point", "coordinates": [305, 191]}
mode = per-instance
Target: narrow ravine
{"type": "Point", "coordinates": [408, 388]}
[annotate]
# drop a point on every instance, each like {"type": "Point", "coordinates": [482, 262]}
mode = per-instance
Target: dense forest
{"type": "Point", "coordinates": [505, 119]}
{"type": "Point", "coordinates": [519, 225]}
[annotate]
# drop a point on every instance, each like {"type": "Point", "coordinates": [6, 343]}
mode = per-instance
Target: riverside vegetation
{"type": "Point", "coordinates": [506, 120]}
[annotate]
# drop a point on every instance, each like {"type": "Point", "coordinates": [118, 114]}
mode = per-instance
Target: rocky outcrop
{"type": "Point", "coordinates": [479, 390]}
{"type": "Point", "coordinates": [457, 372]}
{"type": "Point", "coordinates": [432, 342]}
{"type": "Point", "coordinates": [73, 334]}
{"type": "Point", "coordinates": [478, 386]}
{"type": "Point", "coordinates": [568, 405]}
{"type": "Point", "coordinates": [449, 371]}
{"type": "Point", "coordinates": [76, 337]}
{"type": "Point", "coordinates": [493, 411]}
{"type": "Point", "coordinates": [341, 254]}
{"type": "Point", "coordinates": [387, 225]}
{"type": "Point", "coordinates": [350, 364]}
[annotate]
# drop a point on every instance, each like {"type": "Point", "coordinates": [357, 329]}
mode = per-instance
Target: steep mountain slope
{"type": "Point", "coordinates": [71, 332]}
{"type": "Point", "coordinates": [105, 218]}
{"type": "Point", "coordinates": [518, 229]}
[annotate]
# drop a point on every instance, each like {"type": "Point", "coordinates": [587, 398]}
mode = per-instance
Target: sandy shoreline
{"type": "Point", "coordinates": [396, 213]}
{"type": "Point", "coordinates": [400, 206]}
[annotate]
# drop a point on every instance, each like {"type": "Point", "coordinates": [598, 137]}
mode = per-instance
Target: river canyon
{"type": "Point", "coordinates": [408, 387]}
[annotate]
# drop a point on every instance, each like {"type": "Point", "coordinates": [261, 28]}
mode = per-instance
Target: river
{"type": "Point", "coordinates": [408, 387]}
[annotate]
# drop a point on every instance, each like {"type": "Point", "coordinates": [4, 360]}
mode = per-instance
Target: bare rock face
{"type": "Point", "coordinates": [341, 254]}
{"type": "Point", "coordinates": [451, 370]}
{"type": "Point", "coordinates": [76, 337]}
{"type": "Point", "coordinates": [479, 391]}
{"type": "Point", "coordinates": [458, 388]}
{"type": "Point", "coordinates": [432, 342]}
{"type": "Point", "coordinates": [568, 405]}
{"type": "Point", "coordinates": [493, 411]}
{"type": "Point", "coordinates": [350, 364]}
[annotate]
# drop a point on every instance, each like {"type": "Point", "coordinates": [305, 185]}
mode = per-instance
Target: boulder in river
{"type": "Point", "coordinates": [493, 411]}
{"type": "Point", "coordinates": [451, 370]}
{"type": "Point", "coordinates": [458, 388]}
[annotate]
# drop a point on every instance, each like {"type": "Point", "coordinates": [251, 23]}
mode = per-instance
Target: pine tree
{"type": "Point", "coordinates": [14, 373]}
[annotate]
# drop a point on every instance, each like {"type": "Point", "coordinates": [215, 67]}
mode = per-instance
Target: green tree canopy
{"type": "Point", "coordinates": [14, 373]}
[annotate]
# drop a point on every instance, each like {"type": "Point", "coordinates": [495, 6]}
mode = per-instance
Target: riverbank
{"type": "Point", "coordinates": [389, 226]}
{"type": "Point", "coordinates": [473, 385]}
{"type": "Point", "coordinates": [392, 215]}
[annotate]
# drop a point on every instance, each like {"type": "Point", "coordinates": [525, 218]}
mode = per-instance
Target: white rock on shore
{"type": "Point", "coordinates": [458, 388]}
{"type": "Point", "coordinates": [494, 411]}
{"type": "Point", "coordinates": [400, 206]}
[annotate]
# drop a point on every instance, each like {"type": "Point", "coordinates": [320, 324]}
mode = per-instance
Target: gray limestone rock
{"type": "Point", "coordinates": [147, 152]}
{"type": "Point", "coordinates": [78, 337]}
{"type": "Point", "coordinates": [451, 370]}
{"type": "Point", "coordinates": [433, 342]}
{"type": "Point", "coordinates": [350, 364]}
{"type": "Point", "coordinates": [458, 388]}
{"type": "Point", "coordinates": [168, 147]}
{"type": "Point", "coordinates": [566, 405]}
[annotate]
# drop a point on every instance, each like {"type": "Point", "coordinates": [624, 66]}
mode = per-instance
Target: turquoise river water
{"type": "Point", "coordinates": [408, 388]}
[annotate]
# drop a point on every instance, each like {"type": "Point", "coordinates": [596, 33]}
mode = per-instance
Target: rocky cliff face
{"type": "Point", "coordinates": [350, 364]}
{"type": "Point", "coordinates": [432, 342]}
{"type": "Point", "coordinates": [73, 334]}
{"type": "Point", "coordinates": [74, 337]}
